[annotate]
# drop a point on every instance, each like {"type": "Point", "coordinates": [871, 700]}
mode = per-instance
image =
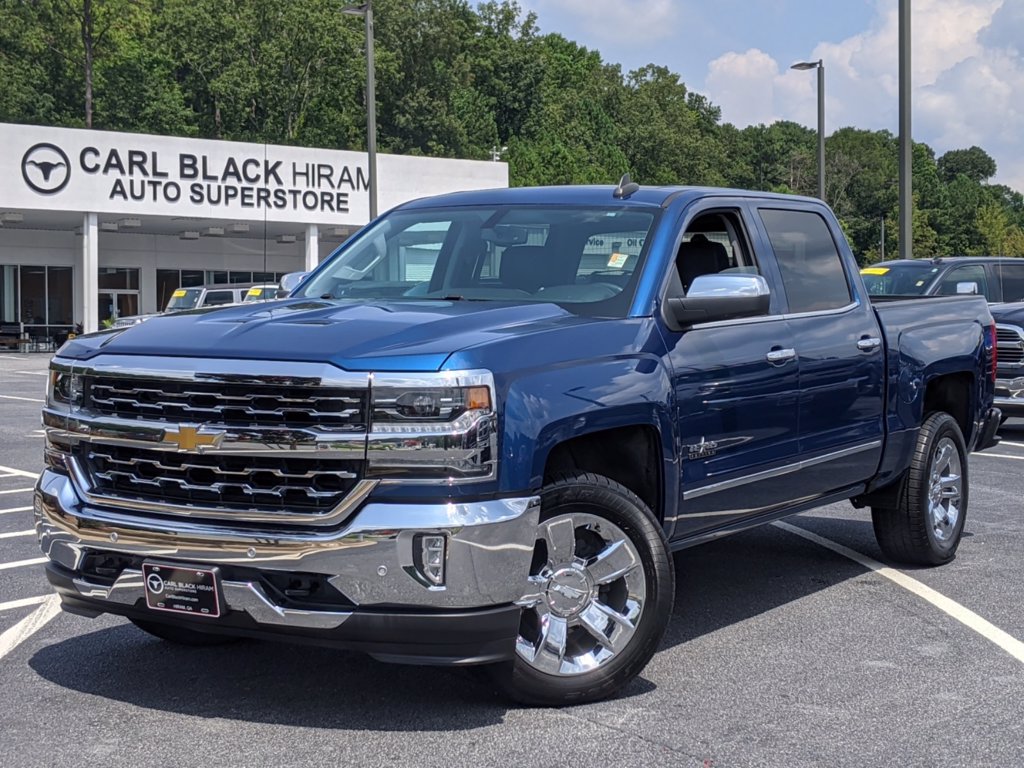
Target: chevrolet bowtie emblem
{"type": "Point", "coordinates": [188, 438]}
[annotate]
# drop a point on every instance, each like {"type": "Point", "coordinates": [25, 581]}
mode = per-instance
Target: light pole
{"type": "Point", "coordinates": [366, 11]}
{"type": "Point", "coordinates": [820, 66]}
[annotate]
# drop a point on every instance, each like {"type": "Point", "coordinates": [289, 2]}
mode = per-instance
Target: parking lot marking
{"type": "Point", "coordinates": [19, 472]}
{"type": "Point", "coordinates": [26, 601]}
{"type": "Point", "coordinates": [1000, 456]}
{"type": "Point", "coordinates": [15, 509]}
{"type": "Point", "coordinates": [16, 490]}
{"type": "Point", "coordinates": [22, 563]}
{"type": "Point", "coordinates": [26, 399]}
{"type": "Point", "coordinates": [28, 626]}
{"type": "Point", "coordinates": [1015, 445]}
{"type": "Point", "coordinates": [951, 607]}
{"type": "Point", "coordinates": [33, 373]}
{"type": "Point", "coordinates": [15, 534]}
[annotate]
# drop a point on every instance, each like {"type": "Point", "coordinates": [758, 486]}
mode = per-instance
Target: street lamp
{"type": "Point", "coordinates": [820, 66]}
{"type": "Point", "coordinates": [366, 11]}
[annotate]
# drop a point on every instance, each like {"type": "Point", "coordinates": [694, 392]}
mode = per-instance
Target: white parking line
{"type": "Point", "coordinates": [19, 472]}
{"type": "Point", "coordinates": [965, 616]}
{"type": "Point", "coordinates": [1000, 456]}
{"type": "Point", "coordinates": [33, 373]}
{"type": "Point", "coordinates": [16, 490]}
{"type": "Point", "coordinates": [28, 626]}
{"type": "Point", "coordinates": [15, 509]}
{"type": "Point", "coordinates": [16, 534]}
{"type": "Point", "coordinates": [1015, 445]}
{"type": "Point", "coordinates": [26, 399]}
{"type": "Point", "coordinates": [22, 563]}
{"type": "Point", "coordinates": [12, 604]}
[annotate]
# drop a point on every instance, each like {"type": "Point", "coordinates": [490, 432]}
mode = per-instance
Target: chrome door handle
{"type": "Point", "coordinates": [869, 344]}
{"type": "Point", "coordinates": [780, 356]}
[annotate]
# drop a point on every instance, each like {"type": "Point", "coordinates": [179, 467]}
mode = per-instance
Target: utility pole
{"type": "Point", "coordinates": [906, 225]}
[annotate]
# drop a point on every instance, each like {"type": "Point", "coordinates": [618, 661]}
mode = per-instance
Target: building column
{"type": "Point", "coordinates": [89, 273]}
{"type": "Point", "coordinates": [312, 247]}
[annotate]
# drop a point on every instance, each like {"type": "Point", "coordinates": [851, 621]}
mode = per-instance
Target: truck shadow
{"type": "Point", "coordinates": [718, 585]}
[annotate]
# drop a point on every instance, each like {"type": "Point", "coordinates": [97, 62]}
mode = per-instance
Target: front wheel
{"type": "Point", "coordinates": [600, 596]}
{"type": "Point", "coordinates": [926, 525]}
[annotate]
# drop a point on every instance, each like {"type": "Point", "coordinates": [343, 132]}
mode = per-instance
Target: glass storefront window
{"type": "Point", "coordinates": [118, 277]}
{"type": "Point", "coordinates": [33, 295]}
{"type": "Point", "coordinates": [8, 293]}
{"type": "Point", "coordinates": [60, 302]}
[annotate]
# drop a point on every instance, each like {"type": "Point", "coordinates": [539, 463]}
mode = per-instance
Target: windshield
{"type": "Point", "coordinates": [585, 259]}
{"type": "Point", "coordinates": [261, 293]}
{"type": "Point", "coordinates": [183, 298]}
{"type": "Point", "coordinates": [899, 279]}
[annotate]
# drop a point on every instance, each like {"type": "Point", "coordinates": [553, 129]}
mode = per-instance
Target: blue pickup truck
{"type": "Point", "coordinates": [477, 433]}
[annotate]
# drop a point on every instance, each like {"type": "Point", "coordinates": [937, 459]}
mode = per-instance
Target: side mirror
{"type": "Point", "coordinates": [967, 288]}
{"type": "Point", "coordinates": [719, 297]}
{"type": "Point", "coordinates": [289, 281]}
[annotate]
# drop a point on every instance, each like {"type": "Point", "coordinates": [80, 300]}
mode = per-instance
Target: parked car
{"type": "Point", "coordinates": [998, 279]}
{"type": "Point", "coordinates": [1010, 372]}
{"type": "Point", "coordinates": [195, 297]}
{"type": "Point", "coordinates": [477, 432]}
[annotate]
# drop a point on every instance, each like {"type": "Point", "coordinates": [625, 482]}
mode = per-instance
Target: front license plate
{"type": "Point", "coordinates": [178, 589]}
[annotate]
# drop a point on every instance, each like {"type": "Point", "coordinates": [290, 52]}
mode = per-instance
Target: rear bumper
{"type": "Point", "coordinates": [361, 588]}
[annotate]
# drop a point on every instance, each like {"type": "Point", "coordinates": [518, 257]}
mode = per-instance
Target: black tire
{"type": "Point", "coordinates": [174, 633]}
{"type": "Point", "coordinates": [595, 496]}
{"type": "Point", "coordinates": [907, 533]}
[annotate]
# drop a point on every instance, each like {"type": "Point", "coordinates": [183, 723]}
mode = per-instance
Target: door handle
{"type": "Point", "coordinates": [780, 356]}
{"type": "Point", "coordinates": [869, 344]}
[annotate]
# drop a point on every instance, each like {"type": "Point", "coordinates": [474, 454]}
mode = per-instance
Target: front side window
{"type": "Point", "coordinates": [902, 279]}
{"type": "Point", "coordinates": [584, 259]}
{"type": "Point", "coordinates": [812, 270]}
{"type": "Point", "coordinates": [965, 280]}
{"type": "Point", "coordinates": [216, 298]}
{"type": "Point", "coordinates": [1012, 278]}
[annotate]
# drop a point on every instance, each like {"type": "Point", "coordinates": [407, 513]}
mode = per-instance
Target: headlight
{"type": "Point", "coordinates": [433, 427]}
{"type": "Point", "coordinates": [64, 388]}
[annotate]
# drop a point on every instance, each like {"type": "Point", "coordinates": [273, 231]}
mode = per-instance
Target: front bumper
{"type": "Point", "coordinates": [370, 596]}
{"type": "Point", "coordinates": [1010, 395]}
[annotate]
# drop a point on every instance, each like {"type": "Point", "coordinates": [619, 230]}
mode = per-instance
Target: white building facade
{"type": "Point", "coordinates": [96, 224]}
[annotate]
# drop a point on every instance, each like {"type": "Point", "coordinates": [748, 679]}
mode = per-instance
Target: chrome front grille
{"type": "Point", "coordinates": [247, 482]}
{"type": "Point", "coordinates": [1010, 345]}
{"type": "Point", "coordinates": [227, 404]}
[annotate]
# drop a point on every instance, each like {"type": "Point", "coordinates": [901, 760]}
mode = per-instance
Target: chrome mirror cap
{"type": "Point", "coordinates": [290, 281]}
{"type": "Point", "coordinates": [728, 284]}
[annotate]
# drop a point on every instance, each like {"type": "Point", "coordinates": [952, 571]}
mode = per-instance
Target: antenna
{"type": "Point", "coordinates": [625, 188]}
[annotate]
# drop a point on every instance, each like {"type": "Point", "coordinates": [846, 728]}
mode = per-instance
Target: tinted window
{"type": "Point", "coordinates": [812, 272]}
{"type": "Point", "coordinates": [902, 279]}
{"type": "Point", "coordinates": [1012, 278]}
{"type": "Point", "coordinates": [213, 298]}
{"type": "Point", "coordinates": [964, 280]}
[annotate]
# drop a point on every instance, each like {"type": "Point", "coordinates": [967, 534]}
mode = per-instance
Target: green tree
{"type": "Point", "coordinates": [974, 163]}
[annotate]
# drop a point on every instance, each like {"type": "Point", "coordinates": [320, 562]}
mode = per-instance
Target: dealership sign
{"type": "Point", "coordinates": [104, 172]}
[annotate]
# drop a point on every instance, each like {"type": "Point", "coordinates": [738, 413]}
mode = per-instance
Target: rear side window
{"type": "Point", "coordinates": [1012, 278]}
{"type": "Point", "coordinates": [214, 298]}
{"type": "Point", "coordinates": [812, 271]}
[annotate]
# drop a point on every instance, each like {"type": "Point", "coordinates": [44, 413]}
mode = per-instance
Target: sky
{"type": "Point", "coordinates": [967, 62]}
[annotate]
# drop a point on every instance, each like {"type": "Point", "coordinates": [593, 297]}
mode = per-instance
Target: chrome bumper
{"type": "Point", "coordinates": [1010, 396]}
{"type": "Point", "coordinates": [370, 560]}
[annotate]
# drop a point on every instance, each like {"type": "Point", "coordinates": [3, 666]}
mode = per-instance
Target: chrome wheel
{"type": "Point", "coordinates": [587, 595]}
{"type": "Point", "coordinates": [945, 489]}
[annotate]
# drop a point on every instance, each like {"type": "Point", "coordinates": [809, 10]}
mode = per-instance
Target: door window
{"type": "Point", "coordinates": [965, 280]}
{"type": "Point", "coordinates": [1012, 278]}
{"type": "Point", "coordinates": [216, 298]}
{"type": "Point", "coordinates": [812, 270]}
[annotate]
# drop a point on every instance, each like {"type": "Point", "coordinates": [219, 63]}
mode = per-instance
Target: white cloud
{"type": "Point", "coordinates": [968, 80]}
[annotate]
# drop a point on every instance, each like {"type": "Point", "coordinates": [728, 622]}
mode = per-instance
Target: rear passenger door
{"type": "Point", "coordinates": [840, 349]}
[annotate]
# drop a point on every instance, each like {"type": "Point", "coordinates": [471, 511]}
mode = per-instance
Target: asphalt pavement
{"type": "Point", "coordinates": [781, 652]}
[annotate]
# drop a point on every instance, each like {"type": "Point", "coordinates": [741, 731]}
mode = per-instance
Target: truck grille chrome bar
{"type": "Point", "coordinates": [1010, 345]}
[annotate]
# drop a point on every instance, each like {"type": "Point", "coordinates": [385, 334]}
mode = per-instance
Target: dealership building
{"type": "Point", "coordinates": [96, 225]}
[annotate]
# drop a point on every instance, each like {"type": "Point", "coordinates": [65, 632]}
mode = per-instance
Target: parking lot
{"type": "Point", "coordinates": [787, 647]}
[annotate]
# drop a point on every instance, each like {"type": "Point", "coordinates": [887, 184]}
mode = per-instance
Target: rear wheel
{"type": "Point", "coordinates": [600, 596]}
{"type": "Point", "coordinates": [182, 635]}
{"type": "Point", "coordinates": [927, 524]}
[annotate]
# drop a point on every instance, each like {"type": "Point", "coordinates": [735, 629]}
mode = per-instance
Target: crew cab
{"type": "Point", "coordinates": [998, 279]}
{"type": "Point", "coordinates": [478, 431]}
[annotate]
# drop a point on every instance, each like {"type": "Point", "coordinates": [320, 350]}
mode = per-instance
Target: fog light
{"type": "Point", "coordinates": [432, 558]}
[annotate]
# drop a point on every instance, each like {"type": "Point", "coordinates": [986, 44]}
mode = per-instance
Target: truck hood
{"type": "Point", "coordinates": [1008, 314]}
{"type": "Point", "coordinates": [357, 336]}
